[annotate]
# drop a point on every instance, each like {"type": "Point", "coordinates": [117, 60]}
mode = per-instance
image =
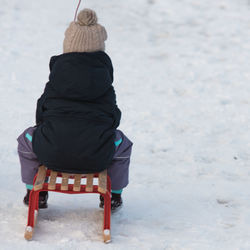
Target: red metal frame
{"type": "Point", "coordinates": [34, 199]}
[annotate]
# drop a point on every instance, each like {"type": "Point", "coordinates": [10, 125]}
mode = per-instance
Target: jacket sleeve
{"type": "Point", "coordinates": [117, 117]}
{"type": "Point", "coordinates": [40, 105]}
{"type": "Point", "coordinates": [39, 109]}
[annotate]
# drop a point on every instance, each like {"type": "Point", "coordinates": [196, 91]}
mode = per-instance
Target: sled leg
{"type": "Point", "coordinates": [31, 215]}
{"type": "Point", "coordinates": [36, 207]}
{"type": "Point", "coordinates": [107, 218]}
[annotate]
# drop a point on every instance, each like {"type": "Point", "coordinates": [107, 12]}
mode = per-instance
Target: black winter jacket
{"type": "Point", "coordinates": [77, 114]}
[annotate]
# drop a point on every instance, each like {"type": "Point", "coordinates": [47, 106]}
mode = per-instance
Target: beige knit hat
{"type": "Point", "coordinates": [84, 35]}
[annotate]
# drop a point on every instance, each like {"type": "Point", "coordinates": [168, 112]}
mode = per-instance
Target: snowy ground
{"type": "Point", "coordinates": [182, 81]}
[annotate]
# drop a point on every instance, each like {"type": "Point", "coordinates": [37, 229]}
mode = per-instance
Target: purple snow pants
{"type": "Point", "coordinates": [118, 170]}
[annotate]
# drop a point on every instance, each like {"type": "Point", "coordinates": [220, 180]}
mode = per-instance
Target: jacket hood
{"type": "Point", "coordinates": [81, 75]}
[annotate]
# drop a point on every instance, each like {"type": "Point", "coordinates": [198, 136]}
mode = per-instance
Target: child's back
{"type": "Point", "coordinates": [77, 114]}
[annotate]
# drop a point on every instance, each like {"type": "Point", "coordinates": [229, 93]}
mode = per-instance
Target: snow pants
{"type": "Point", "coordinates": [118, 170]}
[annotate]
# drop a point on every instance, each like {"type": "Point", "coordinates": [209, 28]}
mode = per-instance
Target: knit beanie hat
{"type": "Point", "coordinates": [85, 35]}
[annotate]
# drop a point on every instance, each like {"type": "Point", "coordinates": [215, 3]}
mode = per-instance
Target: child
{"type": "Point", "coordinates": [77, 116]}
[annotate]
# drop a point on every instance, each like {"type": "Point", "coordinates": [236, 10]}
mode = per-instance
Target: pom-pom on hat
{"type": "Point", "coordinates": [85, 35]}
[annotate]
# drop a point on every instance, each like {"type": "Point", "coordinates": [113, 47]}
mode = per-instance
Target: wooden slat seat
{"type": "Point", "coordinates": [65, 181]}
{"type": "Point", "coordinates": [102, 186]}
{"type": "Point", "coordinates": [89, 184]}
{"type": "Point", "coordinates": [52, 180]}
{"type": "Point", "coordinates": [40, 178]}
{"type": "Point", "coordinates": [102, 180]}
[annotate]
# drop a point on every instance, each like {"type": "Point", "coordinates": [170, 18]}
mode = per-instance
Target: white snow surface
{"type": "Point", "coordinates": [182, 82]}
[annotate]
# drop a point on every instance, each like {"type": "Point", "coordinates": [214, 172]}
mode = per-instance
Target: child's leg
{"type": "Point", "coordinates": [28, 159]}
{"type": "Point", "coordinates": [119, 168]}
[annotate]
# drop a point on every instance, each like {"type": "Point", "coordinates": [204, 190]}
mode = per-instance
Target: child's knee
{"type": "Point", "coordinates": [25, 141]}
{"type": "Point", "coordinates": [121, 140]}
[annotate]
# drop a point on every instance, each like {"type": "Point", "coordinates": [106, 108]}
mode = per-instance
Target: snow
{"type": "Point", "coordinates": [181, 78]}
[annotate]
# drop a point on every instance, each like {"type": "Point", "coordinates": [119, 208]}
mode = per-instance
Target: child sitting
{"type": "Point", "coordinates": [77, 116]}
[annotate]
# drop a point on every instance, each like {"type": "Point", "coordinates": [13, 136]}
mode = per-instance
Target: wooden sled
{"type": "Point", "coordinates": [103, 188]}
